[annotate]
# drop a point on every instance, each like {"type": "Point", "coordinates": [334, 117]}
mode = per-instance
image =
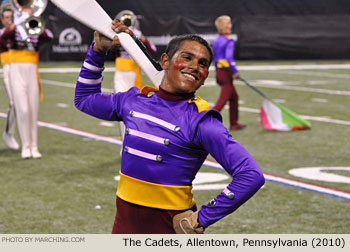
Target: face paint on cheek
{"type": "Point", "coordinates": [204, 72]}
{"type": "Point", "coordinates": [179, 63]}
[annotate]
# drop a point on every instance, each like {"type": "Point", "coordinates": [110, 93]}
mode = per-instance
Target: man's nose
{"type": "Point", "coordinates": [194, 65]}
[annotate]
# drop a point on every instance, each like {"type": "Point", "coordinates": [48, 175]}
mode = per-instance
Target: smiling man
{"type": "Point", "coordinates": [168, 137]}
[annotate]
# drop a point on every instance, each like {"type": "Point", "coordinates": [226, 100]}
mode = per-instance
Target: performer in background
{"type": "Point", "coordinates": [168, 137]}
{"type": "Point", "coordinates": [25, 81]}
{"type": "Point", "coordinates": [128, 73]}
{"type": "Point", "coordinates": [8, 135]}
{"type": "Point", "coordinates": [226, 71]}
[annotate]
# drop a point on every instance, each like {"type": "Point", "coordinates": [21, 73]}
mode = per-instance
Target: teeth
{"type": "Point", "coordinates": [191, 76]}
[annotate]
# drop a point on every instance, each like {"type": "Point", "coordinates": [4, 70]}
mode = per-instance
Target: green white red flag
{"type": "Point", "coordinates": [275, 117]}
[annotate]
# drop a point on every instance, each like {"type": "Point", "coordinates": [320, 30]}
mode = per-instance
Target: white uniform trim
{"type": "Point", "coordinates": [228, 193]}
{"type": "Point", "coordinates": [146, 136]}
{"type": "Point", "coordinates": [140, 153]}
{"type": "Point", "coordinates": [155, 120]}
{"type": "Point", "coordinates": [89, 81]}
{"type": "Point", "coordinates": [92, 67]}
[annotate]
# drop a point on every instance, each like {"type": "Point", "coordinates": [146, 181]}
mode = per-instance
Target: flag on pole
{"type": "Point", "coordinates": [275, 117]}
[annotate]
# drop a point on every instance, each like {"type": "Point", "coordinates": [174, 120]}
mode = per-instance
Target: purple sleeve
{"type": "Point", "coordinates": [247, 177]}
{"type": "Point", "coordinates": [88, 96]}
{"type": "Point", "coordinates": [229, 55]}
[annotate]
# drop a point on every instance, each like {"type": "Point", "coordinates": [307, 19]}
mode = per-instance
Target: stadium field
{"type": "Point", "coordinates": [72, 188]}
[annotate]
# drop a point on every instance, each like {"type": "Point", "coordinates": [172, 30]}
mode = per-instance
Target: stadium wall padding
{"type": "Point", "coordinates": [264, 29]}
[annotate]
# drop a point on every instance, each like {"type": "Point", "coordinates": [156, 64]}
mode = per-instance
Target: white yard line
{"type": "Point", "coordinates": [245, 68]}
{"type": "Point", "coordinates": [67, 84]}
{"type": "Point", "coordinates": [249, 68]}
{"type": "Point", "coordinates": [313, 90]}
{"type": "Point", "coordinates": [212, 68]}
{"type": "Point", "coordinates": [245, 109]}
{"type": "Point", "coordinates": [306, 117]}
{"type": "Point", "coordinates": [294, 183]}
{"type": "Point", "coordinates": [69, 70]}
{"type": "Point", "coordinates": [305, 89]}
{"type": "Point", "coordinates": [212, 82]}
{"type": "Point", "coordinates": [295, 67]}
{"type": "Point", "coordinates": [317, 74]}
{"type": "Point", "coordinates": [208, 163]}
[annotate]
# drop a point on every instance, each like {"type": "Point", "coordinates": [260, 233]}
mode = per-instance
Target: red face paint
{"type": "Point", "coordinates": [179, 63]}
{"type": "Point", "coordinates": [204, 71]}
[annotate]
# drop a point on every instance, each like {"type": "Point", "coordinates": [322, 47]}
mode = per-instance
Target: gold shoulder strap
{"type": "Point", "coordinates": [147, 89]}
{"type": "Point", "coordinates": [202, 105]}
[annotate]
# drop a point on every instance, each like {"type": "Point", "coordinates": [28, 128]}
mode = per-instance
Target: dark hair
{"type": "Point", "coordinates": [3, 11]}
{"type": "Point", "coordinates": [175, 44]}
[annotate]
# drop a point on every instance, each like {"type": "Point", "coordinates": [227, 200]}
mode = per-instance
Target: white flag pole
{"type": "Point", "coordinates": [91, 14]}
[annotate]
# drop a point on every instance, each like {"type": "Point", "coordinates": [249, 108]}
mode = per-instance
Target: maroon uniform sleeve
{"type": "Point", "coordinates": [7, 34]}
{"type": "Point", "coordinates": [45, 37]}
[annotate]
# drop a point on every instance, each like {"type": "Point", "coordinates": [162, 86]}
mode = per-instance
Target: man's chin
{"type": "Point", "coordinates": [187, 88]}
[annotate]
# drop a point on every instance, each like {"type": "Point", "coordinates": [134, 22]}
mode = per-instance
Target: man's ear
{"type": "Point", "coordinates": [165, 61]}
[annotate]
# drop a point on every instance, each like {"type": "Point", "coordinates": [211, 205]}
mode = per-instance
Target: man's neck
{"type": "Point", "coordinates": [174, 97]}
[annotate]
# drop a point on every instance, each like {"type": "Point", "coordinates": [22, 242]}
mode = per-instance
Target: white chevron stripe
{"type": "Point", "coordinates": [146, 136]}
{"type": "Point", "coordinates": [89, 81]}
{"type": "Point", "coordinates": [92, 67]}
{"type": "Point", "coordinates": [155, 120]}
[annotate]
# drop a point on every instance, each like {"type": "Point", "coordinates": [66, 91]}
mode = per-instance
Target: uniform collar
{"type": "Point", "coordinates": [174, 97]}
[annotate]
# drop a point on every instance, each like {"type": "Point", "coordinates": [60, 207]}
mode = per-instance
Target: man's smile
{"type": "Point", "coordinates": [190, 75]}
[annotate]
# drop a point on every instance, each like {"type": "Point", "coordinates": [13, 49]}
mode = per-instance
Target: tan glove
{"type": "Point", "coordinates": [102, 43]}
{"type": "Point", "coordinates": [187, 223]}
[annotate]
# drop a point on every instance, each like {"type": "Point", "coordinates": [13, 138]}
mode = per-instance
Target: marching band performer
{"type": "Point", "coordinates": [8, 135]}
{"type": "Point", "coordinates": [226, 70]}
{"type": "Point", "coordinates": [168, 137]}
{"type": "Point", "coordinates": [128, 73]}
{"type": "Point", "coordinates": [25, 81]}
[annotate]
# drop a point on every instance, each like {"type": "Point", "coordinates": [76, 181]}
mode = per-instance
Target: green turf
{"type": "Point", "coordinates": [58, 193]}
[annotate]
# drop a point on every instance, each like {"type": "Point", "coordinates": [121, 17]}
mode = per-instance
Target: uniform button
{"type": "Point", "coordinates": [177, 129]}
{"type": "Point", "coordinates": [131, 113]}
{"type": "Point", "coordinates": [166, 141]}
{"type": "Point", "coordinates": [212, 202]}
{"type": "Point", "coordinates": [127, 131]}
{"type": "Point", "coordinates": [159, 158]}
{"type": "Point", "coordinates": [230, 195]}
{"type": "Point", "coordinates": [126, 149]}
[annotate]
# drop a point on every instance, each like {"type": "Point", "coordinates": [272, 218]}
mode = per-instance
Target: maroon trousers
{"type": "Point", "coordinates": [228, 93]}
{"type": "Point", "coordinates": [135, 219]}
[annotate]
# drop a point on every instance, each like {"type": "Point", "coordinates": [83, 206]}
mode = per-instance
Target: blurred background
{"type": "Point", "coordinates": [265, 29]}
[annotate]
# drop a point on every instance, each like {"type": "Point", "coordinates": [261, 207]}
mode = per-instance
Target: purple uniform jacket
{"type": "Point", "coordinates": [223, 50]}
{"type": "Point", "coordinates": [165, 145]}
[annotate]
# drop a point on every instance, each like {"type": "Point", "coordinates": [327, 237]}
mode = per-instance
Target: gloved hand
{"type": "Point", "coordinates": [236, 75]}
{"type": "Point", "coordinates": [187, 223]}
{"type": "Point", "coordinates": [102, 43]}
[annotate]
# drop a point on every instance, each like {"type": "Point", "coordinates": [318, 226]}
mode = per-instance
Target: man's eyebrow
{"type": "Point", "coordinates": [186, 52]}
{"type": "Point", "coordinates": [192, 54]}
